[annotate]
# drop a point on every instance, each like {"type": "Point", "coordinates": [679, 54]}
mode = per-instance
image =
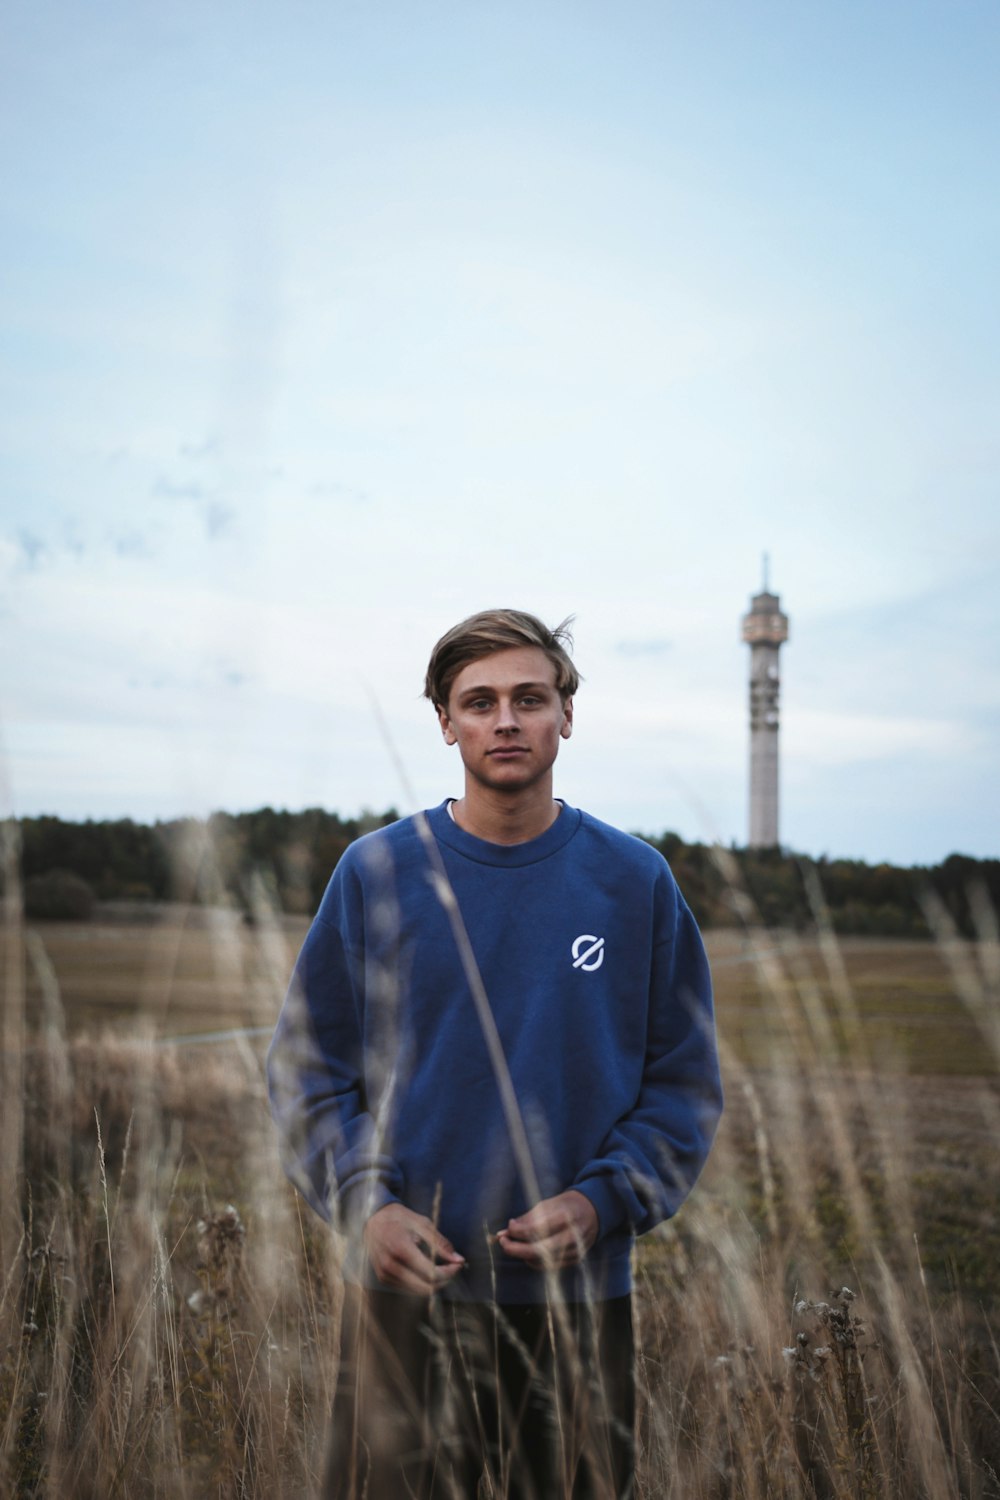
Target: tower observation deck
{"type": "Point", "coordinates": [765, 629]}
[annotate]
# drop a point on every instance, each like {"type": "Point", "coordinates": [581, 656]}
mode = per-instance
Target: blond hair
{"type": "Point", "coordinates": [498, 630]}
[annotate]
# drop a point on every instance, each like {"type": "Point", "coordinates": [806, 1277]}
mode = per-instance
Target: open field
{"type": "Point", "coordinates": [190, 970]}
{"type": "Point", "coordinates": [145, 1355]}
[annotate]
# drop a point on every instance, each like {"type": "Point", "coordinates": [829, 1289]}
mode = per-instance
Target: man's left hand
{"type": "Point", "coordinates": [556, 1232]}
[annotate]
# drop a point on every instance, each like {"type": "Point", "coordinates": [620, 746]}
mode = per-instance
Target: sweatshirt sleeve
{"type": "Point", "coordinates": [647, 1164]}
{"type": "Point", "coordinates": [329, 1139]}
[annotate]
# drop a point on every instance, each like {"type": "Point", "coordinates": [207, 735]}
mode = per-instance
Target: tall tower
{"type": "Point", "coordinates": [765, 628]}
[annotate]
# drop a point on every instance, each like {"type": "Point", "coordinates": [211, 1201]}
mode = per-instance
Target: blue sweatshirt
{"type": "Point", "coordinates": [381, 1078]}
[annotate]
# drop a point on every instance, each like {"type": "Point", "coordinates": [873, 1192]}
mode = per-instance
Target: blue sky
{"type": "Point", "coordinates": [325, 325]}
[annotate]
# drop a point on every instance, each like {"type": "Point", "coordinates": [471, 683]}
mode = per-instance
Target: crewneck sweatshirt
{"type": "Point", "coordinates": [383, 1084]}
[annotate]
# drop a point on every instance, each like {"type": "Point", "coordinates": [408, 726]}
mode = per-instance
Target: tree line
{"type": "Point", "coordinates": [284, 860]}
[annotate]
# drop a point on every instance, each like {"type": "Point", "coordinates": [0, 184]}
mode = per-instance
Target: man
{"type": "Point", "coordinates": [495, 1066]}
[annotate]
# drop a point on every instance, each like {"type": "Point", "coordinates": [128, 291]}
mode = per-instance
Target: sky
{"type": "Point", "coordinates": [324, 325]}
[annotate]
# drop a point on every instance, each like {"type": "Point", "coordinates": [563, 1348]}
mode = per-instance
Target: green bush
{"type": "Point", "coordinates": [58, 895]}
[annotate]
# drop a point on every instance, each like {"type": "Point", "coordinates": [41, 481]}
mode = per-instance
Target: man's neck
{"type": "Point", "coordinates": [506, 819]}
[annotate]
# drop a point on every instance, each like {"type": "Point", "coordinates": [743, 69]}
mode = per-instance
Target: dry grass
{"type": "Point", "coordinates": [168, 1316]}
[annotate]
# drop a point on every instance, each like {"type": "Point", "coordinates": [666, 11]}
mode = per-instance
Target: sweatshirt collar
{"type": "Point", "coordinates": [509, 856]}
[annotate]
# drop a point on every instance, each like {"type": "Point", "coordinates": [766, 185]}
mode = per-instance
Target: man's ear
{"type": "Point", "coordinates": [450, 737]}
{"type": "Point", "coordinates": [567, 724]}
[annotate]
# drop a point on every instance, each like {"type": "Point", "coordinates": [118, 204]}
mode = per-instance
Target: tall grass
{"type": "Point", "coordinates": [815, 1323]}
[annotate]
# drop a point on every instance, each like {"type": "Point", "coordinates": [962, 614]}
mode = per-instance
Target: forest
{"type": "Point", "coordinates": [68, 868]}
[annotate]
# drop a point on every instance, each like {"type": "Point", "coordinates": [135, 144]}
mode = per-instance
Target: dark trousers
{"type": "Point", "coordinates": [433, 1395]}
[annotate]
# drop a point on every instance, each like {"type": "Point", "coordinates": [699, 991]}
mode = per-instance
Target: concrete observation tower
{"type": "Point", "coordinates": [765, 629]}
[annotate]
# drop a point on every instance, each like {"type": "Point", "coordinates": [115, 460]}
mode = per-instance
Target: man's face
{"type": "Point", "coordinates": [506, 716]}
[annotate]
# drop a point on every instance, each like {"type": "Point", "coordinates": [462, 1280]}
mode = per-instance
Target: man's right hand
{"type": "Point", "coordinates": [407, 1252]}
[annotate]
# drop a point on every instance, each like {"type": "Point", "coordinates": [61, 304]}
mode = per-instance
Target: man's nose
{"type": "Point", "coordinates": [506, 719]}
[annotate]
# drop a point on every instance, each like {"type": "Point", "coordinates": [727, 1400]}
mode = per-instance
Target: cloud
{"type": "Point", "coordinates": [207, 449]}
{"type": "Point", "coordinates": [132, 544]}
{"type": "Point", "coordinates": [325, 489]}
{"type": "Point", "coordinates": [169, 489]}
{"type": "Point", "coordinates": [72, 538]}
{"type": "Point", "coordinates": [825, 738]}
{"type": "Point", "coordinates": [219, 518]}
{"type": "Point", "coordinates": [33, 549]}
{"type": "Point", "coordinates": [650, 646]}
{"type": "Point", "coordinates": [189, 677]}
{"type": "Point", "coordinates": [10, 554]}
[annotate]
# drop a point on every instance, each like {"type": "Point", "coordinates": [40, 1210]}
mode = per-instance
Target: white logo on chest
{"type": "Point", "coordinates": [588, 951]}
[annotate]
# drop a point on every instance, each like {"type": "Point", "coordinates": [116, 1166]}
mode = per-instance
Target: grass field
{"type": "Point", "coordinates": [156, 1343]}
{"type": "Point", "coordinates": [189, 971]}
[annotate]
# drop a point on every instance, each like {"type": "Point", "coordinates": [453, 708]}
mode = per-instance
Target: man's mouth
{"type": "Point", "coordinates": [505, 750]}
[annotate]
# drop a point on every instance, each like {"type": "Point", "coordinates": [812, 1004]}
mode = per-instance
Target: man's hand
{"type": "Point", "coordinates": [556, 1232]}
{"type": "Point", "coordinates": [407, 1252]}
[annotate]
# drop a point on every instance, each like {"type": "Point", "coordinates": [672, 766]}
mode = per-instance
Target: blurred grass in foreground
{"type": "Point", "coordinates": [169, 1315]}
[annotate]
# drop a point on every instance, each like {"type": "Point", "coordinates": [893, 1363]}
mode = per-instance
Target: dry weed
{"type": "Point", "coordinates": [168, 1315]}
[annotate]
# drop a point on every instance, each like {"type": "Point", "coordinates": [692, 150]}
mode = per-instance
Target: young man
{"type": "Point", "coordinates": [495, 1066]}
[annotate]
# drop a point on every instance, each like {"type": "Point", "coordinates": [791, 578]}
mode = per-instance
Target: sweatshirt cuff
{"type": "Point", "coordinates": [357, 1203]}
{"type": "Point", "coordinates": [610, 1209]}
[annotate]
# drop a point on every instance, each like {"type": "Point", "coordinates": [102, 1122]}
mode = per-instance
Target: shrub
{"type": "Point", "coordinates": [58, 895]}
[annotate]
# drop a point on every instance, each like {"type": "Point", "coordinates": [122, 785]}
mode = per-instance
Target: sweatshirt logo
{"type": "Point", "coordinates": [588, 952]}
